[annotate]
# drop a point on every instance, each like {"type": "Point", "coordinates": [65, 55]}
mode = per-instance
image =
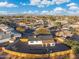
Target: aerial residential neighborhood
{"type": "Point", "coordinates": [33, 37]}
{"type": "Point", "coordinates": [39, 29]}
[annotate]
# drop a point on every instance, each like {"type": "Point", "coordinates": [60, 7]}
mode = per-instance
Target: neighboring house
{"type": "Point", "coordinates": [76, 25]}
{"type": "Point", "coordinates": [21, 49]}
{"type": "Point", "coordinates": [62, 21]}
{"type": "Point", "coordinates": [21, 24]}
{"type": "Point", "coordinates": [50, 23]}
{"type": "Point", "coordinates": [15, 34]}
{"type": "Point", "coordinates": [5, 28]}
{"type": "Point", "coordinates": [42, 36]}
{"type": "Point", "coordinates": [4, 38]}
{"type": "Point", "coordinates": [41, 40]}
{"type": "Point", "coordinates": [64, 33]}
{"type": "Point", "coordinates": [74, 38]}
{"type": "Point", "coordinates": [39, 21]}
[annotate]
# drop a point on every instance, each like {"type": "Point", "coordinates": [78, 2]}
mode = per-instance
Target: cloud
{"type": "Point", "coordinates": [8, 13]}
{"type": "Point", "coordinates": [73, 13]}
{"type": "Point", "coordinates": [46, 2]}
{"type": "Point", "coordinates": [59, 11]}
{"type": "Point", "coordinates": [30, 12]}
{"type": "Point", "coordinates": [6, 4]}
{"type": "Point", "coordinates": [73, 6]}
{"type": "Point", "coordinates": [43, 3]}
{"type": "Point", "coordinates": [73, 9]}
{"type": "Point", "coordinates": [36, 3]}
{"type": "Point", "coordinates": [63, 11]}
{"type": "Point", "coordinates": [61, 1]}
{"type": "Point", "coordinates": [44, 12]}
{"type": "Point", "coordinates": [23, 4]}
{"type": "Point", "coordinates": [55, 11]}
{"type": "Point", "coordinates": [3, 12]}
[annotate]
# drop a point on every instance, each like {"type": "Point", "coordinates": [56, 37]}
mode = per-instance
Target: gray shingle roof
{"type": "Point", "coordinates": [74, 37]}
{"type": "Point", "coordinates": [40, 37]}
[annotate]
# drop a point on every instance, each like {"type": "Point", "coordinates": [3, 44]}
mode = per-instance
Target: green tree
{"type": "Point", "coordinates": [42, 31]}
{"type": "Point", "coordinates": [73, 44]}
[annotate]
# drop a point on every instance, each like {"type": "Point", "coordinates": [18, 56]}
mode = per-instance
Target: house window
{"type": "Point", "coordinates": [35, 42]}
{"type": "Point", "coordinates": [34, 36]}
{"type": "Point", "coordinates": [52, 44]}
{"type": "Point", "coordinates": [31, 42]}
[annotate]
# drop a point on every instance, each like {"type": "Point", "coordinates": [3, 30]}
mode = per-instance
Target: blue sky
{"type": "Point", "coordinates": [49, 7]}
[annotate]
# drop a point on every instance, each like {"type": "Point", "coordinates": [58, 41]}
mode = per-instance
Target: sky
{"type": "Point", "coordinates": [41, 7]}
